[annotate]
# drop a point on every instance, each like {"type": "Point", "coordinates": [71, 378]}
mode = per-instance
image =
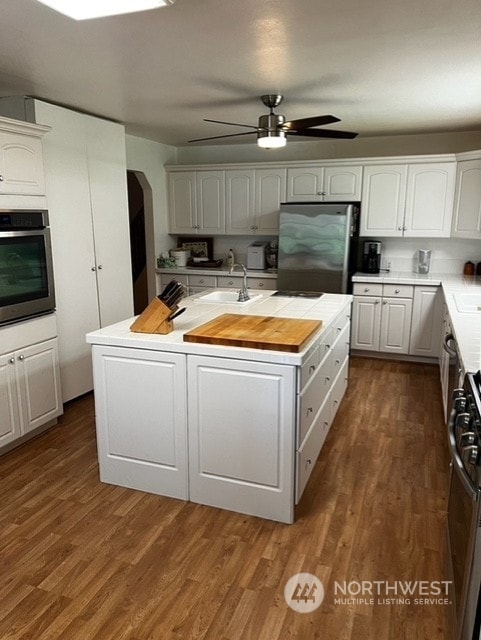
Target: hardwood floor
{"type": "Point", "coordinates": [81, 560]}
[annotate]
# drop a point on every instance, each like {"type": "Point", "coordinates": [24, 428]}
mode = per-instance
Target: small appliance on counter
{"type": "Point", "coordinates": [256, 256]}
{"type": "Point", "coordinates": [371, 257]}
{"type": "Point", "coordinates": [424, 260]}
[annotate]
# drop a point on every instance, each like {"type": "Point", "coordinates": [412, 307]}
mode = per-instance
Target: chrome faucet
{"type": "Point", "coordinates": [243, 293]}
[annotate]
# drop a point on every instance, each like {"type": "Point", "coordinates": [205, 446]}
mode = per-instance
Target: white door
{"type": "Point", "coordinates": [366, 323]}
{"type": "Point", "coordinates": [38, 384]}
{"type": "Point", "coordinates": [467, 207]}
{"type": "Point", "coordinates": [240, 201]}
{"type": "Point", "coordinates": [426, 322]}
{"type": "Point", "coordinates": [140, 400]}
{"type": "Point", "coordinates": [395, 325]}
{"type": "Point", "coordinates": [21, 164]}
{"type": "Point", "coordinates": [241, 436]}
{"type": "Point", "coordinates": [270, 192]}
{"type": "Point", "coordinates": [429, 200]}
{"type": "Point", "coordinates": [383, 200]}
{"type": "Point", "coordinates": [342, 183]}
{"type": "Point", "coordinates": [182, 206]}
{"type": "Point", "coordinates": [110, 219]}
{"type": "Point", "coordinates": [210, 202]}
{"type": "Point", "coordinates": [9, 412]}
{"type": "Point", "coordinates": [305, 185]}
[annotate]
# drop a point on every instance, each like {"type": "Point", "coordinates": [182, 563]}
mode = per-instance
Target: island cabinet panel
{"type": "Point", "coordinates": [241, 436]}
{"type": "Point", "coordinates": [141, 419]}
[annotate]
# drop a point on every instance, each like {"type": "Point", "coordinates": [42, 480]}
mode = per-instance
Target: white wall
{"type": "Point", "coordinates": [455, 142]}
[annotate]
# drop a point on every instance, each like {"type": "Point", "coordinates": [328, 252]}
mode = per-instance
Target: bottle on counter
{"type": "Point", "coordinates": [230, 259]}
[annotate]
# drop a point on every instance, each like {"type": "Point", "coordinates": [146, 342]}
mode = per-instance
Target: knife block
{"type": "Point", "coordinates": [153, 319]}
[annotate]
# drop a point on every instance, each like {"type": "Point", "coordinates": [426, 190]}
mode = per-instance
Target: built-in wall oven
{"type": "Point", "coordinates": [26, 270]}
{"type": "Point", "coordinates": [464, 507]}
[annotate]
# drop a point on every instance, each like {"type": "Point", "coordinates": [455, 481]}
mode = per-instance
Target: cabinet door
{"type": "Point", "coordinates": [38, 384]}
{"type": "Point", "coordinates": [240, 201]}
{"type": "Point", "coordinates": [68, 196]}
{"type": "Point", "coordinates": [467, 206]}
{"type": "Point", "coordinates": [21, 165]}
{"type": "Point", "coordinates": [366, 323]}
{"type": "Point", "coordinates": [429, 200]}
{"type": "Point", "coordinates": [383, 200]}
{"type": "Point", "coordinates": [395, 325]}
{"type": "Point", "coordinates": [241, 436]}
{"type": "Point", "coordinates": [182, 204]}
{"type": "Point", "coordinates": [9, 412]}
{"type": "Point", "coordinates": [342, 183]}
{"type": "Point", "coordinates": [270, 192]}
{"type": "Point", "coordinates": [210, 202]}
{"type": "Point", "coordinates": [140, 400]}
{"type": "Point", "coordinates": [306, 184]}
{"type": "Point", "coordinates": [426, 322]}
{"type": "Point", "coordinates": [110, 218]}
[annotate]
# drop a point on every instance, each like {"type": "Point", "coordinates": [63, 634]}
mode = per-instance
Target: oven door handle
{"type": "Point", "coordinates": [457, 462]}
{"type": "Point", "coordinates": [451, 350]}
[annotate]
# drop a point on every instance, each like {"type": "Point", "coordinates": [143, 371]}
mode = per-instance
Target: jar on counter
{"type": "Point", "coordinates": [468, 269]}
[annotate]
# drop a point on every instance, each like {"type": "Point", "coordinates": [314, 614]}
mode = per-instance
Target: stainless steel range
{"type": "Point", "coordinates": [464, 512]}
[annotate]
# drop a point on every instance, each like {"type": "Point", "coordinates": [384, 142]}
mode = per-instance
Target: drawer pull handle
{"type": "Point", "coordinates": [336, 401]}
{"type": "Point", "coordinates": [397, 291]}
{"type": "Point", "coordinates": [366, 289]}
{"type": "Point", "coordinates": [260, 284]}
{"type": "Point", "coordinates": [338, 362]}
{"type": "Point", "coordinates": [309, 410]}
{"type": "Point", "coordinates": [312, 368]}
{"type": "Point", "coordinates": [327, 378]}
{"type": "Point", "coordinates": [202, 281]}
{"type": "Point", "coordinates": [339, 329]}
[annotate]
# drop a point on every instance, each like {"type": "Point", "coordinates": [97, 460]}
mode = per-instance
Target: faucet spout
{"type": "Point", "coordinates": [243, 293]}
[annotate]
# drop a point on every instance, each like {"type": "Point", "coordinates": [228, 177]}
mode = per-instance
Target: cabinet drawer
{"type": "Point", "coordinates": [309, 367]}
{"type": "Point", "coordinates": [367, 289]}
{"type": "Point", "coordinates": [339, 388]}
{"type": "Point", "coordinates": [398, 290]}
{"type": "Point", "coordinates": [227, 282]}
{"type": "Point", "coordinates": [165, 278]}
{"type": "Point", "coordinates": [309, 452]}
{"type": "Point", "coordinates": [262, 283]}
{"type": "Point", "coordinates": [312, 398]}
{"type": "Point", "coordinates": [202, 281]}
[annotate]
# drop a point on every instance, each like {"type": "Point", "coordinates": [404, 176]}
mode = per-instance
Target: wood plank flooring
{"type": "Point", "coordinates": [81, 560]}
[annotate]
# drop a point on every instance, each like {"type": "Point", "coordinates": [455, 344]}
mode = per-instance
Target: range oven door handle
{"type": "Point", "coordinates": [457, 462]}
{"type": "Point", "coordinates": [451, 350]}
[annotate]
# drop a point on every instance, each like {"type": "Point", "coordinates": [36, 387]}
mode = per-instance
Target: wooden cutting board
{"type": "Point", "coordinates": [256, 332]}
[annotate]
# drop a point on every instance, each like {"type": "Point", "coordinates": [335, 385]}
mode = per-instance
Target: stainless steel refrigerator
{"type": "Point", "coordinates": [318, 247]}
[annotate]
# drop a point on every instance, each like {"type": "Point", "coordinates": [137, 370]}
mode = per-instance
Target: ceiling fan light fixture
{"type": "Point", "coordinates": [269, 140]}
{"type": "Point", "coordinates": [87, 9]}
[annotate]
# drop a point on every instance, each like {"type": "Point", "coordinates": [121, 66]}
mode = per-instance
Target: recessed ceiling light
{"type": "Point", "coordinates": [86, 9]}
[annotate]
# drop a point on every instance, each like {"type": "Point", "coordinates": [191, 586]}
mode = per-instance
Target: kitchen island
{"type": "Point", "coordinates": [233, 427]}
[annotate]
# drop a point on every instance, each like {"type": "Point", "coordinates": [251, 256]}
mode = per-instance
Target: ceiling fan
{"type": "Point", "coordinates": [272, 129]}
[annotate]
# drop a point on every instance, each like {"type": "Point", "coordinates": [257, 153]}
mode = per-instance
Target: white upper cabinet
{"type": "Point", "coordinates": [467, 204]}
{"type": "Point", "coordinates": [408, 200]}
{"type": "Point", "coordinates": [253, 197]}
{"type": "Point", "coordinates": [323, 183]}
{"type": "Point", "coordinates": [197, 202]}
{"type": "Point", "coordinates": [21, 161]}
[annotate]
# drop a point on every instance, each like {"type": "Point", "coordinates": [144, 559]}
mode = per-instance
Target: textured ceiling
{"type": "Point", "coordinates": [384, 67]}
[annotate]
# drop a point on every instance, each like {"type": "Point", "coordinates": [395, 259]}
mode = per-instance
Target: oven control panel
{"type": "Point", "coordinates": [19, 220]}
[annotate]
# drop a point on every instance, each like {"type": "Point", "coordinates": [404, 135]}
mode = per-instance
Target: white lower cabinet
{"type": "Point", "coordinates": [426, 321]}
{"type": "Point", "coordinates": [29, 390]}
{"type": "Point", "coordinates": [141, 414]}
{"type": "Point", "coordinates": [241, 433]}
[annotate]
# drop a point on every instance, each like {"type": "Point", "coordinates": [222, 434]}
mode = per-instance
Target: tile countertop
{"type": "Point", "coordinates": [325, 308]}
{"type": "Point", "coordinates": [466, 326]}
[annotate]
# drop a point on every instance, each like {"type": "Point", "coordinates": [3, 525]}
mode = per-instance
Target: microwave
{"type": "Point", "coordinates": [26, 267]}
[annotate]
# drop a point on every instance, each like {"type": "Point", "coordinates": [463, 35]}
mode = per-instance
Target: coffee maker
{"type": "Point", "coordinates": [371, 258]}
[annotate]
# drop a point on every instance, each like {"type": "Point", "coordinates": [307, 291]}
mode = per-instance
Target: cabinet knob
{"type": "Point", "coordinates": [1, 178]}
{"type": "Point", "coordinates": [384, 301]}
{"type": "Point", "coordinates": [21, 358]}
{"type": "Point", "coordinates": [202, 281]}
{"type": "Point", "coordinates": [321, 193]}
{"type": "Point", "coordinates": [366, 289]}
{"type": "Point", "coordinates": [377, 301]}
{"type": "Point", "coordinates": [93, 269]}
{"type": "Point", "coordinates": [400, 228]}
{"type": "Point", "coordinates": [309, 410]}
{"type": "Point", "coordinates": [100, 267]}
{"type": "Point", "coordinates": [338, 362]}
{"type": "Point", "coordinates": [312, 368]}
{"type": "Point", "coordinates": [397, 291]}
{"type": "Point", "coordinates": [260, 284]}
{"type": "Point", "coordinates": [231, 282]}
{"type": "Point", "coordinates": [11, 360]}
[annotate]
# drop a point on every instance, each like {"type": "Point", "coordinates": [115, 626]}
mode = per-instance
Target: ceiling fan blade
{"type": "Point", "coordinates": [305, 123]}
{"type": "Point", "coordinates": [229, 135]}
{"type": "Point", "coordinates": [322, 133]}
{"type": "Point", "coordinates": [233, 124]}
